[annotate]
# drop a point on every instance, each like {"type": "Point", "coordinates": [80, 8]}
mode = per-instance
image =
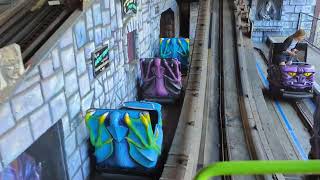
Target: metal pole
{"type": "Point", "coordinates": [299, 20]}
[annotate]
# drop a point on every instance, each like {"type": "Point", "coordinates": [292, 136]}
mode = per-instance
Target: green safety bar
{"type": "Point", "coordinates": [259, 167]}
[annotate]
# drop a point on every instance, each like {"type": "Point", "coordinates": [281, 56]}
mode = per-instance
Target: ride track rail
{"type": "Point", "coordinates": [234, 114]}
{"type": "Point", "coordinates": [31, 29]}
{"type": "Point", "coordinates": [223, 143]}
{"type": "Point", "coordinates": [253, 122]}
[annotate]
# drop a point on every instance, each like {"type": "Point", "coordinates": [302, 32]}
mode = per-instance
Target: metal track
{"type": "Point", "coordinates": [305, 114]}
{"type": "Point", "coordinates": [223, 151]}
{"type": "Point", "coordinates": [234, 120]}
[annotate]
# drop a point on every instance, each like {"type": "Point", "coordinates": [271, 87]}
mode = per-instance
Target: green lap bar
{"type": "Point", "coordinates": [259, 168]}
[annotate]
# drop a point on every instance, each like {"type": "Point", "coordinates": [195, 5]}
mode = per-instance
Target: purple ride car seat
{"type": "Point", "coordinates": [160, 79]}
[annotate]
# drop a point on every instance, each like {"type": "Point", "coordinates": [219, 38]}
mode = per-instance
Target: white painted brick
{"type": "Point", "coordinates": [114, 23]}
{"type": "Point", "coordinates": [88, 49]}
{"type": "Point", "coordinates": [58, 107]}
{"type": "Point", "coordinates": [52, 85]}
{"type": "Point", "coordinates": [78, 175]}
{"type": "Point", "coordinates": [81, 62]}
{"type": "Point", "coordinates": [107, 100]}
{"type": "Point", "coordinates": [40, 121]}
{"type": "Point", "coordinates": [108, 106]}
{"type": "Point", "coordinates": [84, 151]}
{"type": "Point", "coordinates": [70, 144]}
{"type": "Point", "coordinates": [27, 101]}
{"type": "Point", "coordinates": [74, 162]}
{"type": "Point", "coordinates": [304, 9]}
{"type": "Point", "coordinates": [97, 14]}
{"type": "Point", "coordinates": [91, 34]}
{"type": "Point", "coordinates": [110, 83]}
{"type": "Point", "coordinates": [123, 92]}
{"type": "Point", "coordinates": [285, 2]}
{"type": "Point", "coordinates": [119, 14]}
{"type": "Point", "coordinates": [46, 68]}
{"type": "Point", "coordinates": [82, 133]}
{"type": "Point", "coordinates": [103, 34]}
{"type": "Point", "coordinates": [306, 25]}
{"type": "Point", "coordinates": [67, 59]}
{"type": "Point", "coordinates": [311, 2]}
{"type": "Point", "coordinates": [90, 73]}
{"type": "Point", "coordinates": [106, 87]}
{"type": "Point", "coordinates": [66, 39]}
{"type": "Point", "coordinates": [108, 32]}
{"type": "Point", "coordinates": [55, 58]}
{"type": "Point", "coordinates": [32, 72]}
{"type": "Point", "coordinates": [86, 168]}
{"type": "Point", "coordinates": [96, 104]}
{"type": "Point", "coordinates": [89, 19]}
{"type": "Point", "coordinates": [15, 142]}
{"type": "Point", "coordinates": [86, 102]}
{"type": "Point", "coordinates": [74, 105]}
{"type": "Point", "coordinates": [106, 17]}
{"type": "Point", "coordinates": [28, 82]}
{"type": "Point", "coordinates": [66, 126]}
{"type": "Point", "coordinates": [112, 7]}
{"type": "Point", "coordinates": [80, 33]}
{"type": "Point", "coordinates": [106, 4]}
{"type": "Point", "coordinates": [6, 118]}
{"type": "Point", "coordinates": [71, 83]}
{"type": "Point", "coordinates": [102, 99]}
{"type": "Point", "coordinates": [98, 89]}
{"type": "Point", "coordinates": [84, 84]}
{"type": "Point", "coordinates": [97, 36]}
{"type": "Point", "coordinates": [297, 2]}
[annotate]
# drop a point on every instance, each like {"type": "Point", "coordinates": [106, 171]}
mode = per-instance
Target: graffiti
{"type": "Point", "coordinates": [175, 48]}
{"type": "Point", "coordinates": [269, 10]}
{"type": "Point", "coordinates": [100, 60]}
{"type": "Point", "coordinates": [129, 7]}
{"type": "Point", "coordinates": [129, 137]}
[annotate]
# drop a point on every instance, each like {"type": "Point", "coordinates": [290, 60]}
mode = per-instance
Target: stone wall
{"type": "Point", "coordinates": [289, 19]}
{"type": "Point", "coordinates": [61, 87]}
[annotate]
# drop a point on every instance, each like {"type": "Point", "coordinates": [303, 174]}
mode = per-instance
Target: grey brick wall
{"type": "Point", "coordinates": [62, 86]}
{"type": "Point", "coordinates": [288, 23]}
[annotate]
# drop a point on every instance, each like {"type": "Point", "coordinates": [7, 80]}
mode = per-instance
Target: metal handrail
{"type": "Point", "coordinates": [259, 167]}
{"type": "Point", "coordinates": [309, 15]}
{"type": "Point", "coordinates": [310, 39]}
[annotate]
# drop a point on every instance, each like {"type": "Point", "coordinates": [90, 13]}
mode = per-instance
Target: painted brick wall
{"type": "Point", "coordinates": [289, 19]}
{"type": "Point", "coordinates": [62, 87]}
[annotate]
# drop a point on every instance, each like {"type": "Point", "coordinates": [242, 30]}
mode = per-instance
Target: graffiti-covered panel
{"type": "Point", "coordinates": [269, 9]}
{"type": "Point", "coordinates": [129, 7]}
{"type": "Point", "coordinates": [100, 60]}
